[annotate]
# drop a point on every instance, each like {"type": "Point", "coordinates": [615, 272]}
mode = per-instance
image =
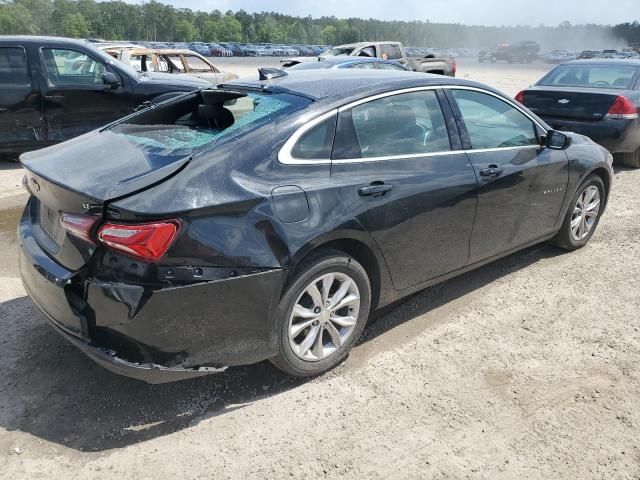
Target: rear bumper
{"type": "Point", "coordinates": [159, 335]}
{"type": "Point", "coordinates": [617, 136]}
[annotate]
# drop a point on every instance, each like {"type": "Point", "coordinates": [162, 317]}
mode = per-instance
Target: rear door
{"type": "Point", "coordinates": [522, 185]}
{"type": "Point", "coordinates": [394, 168]}
{"type": "Point", "coordinates": [20, 116]}
{"type": "Point", "coordinates": [76, 100]}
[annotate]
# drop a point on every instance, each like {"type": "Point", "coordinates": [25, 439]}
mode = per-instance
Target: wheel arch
{"type": "Point", "coordinates": [604, 175]}
{"type": "Point", "coordinates": [364, 250]}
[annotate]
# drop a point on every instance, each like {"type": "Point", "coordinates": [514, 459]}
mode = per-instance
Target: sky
{"type": "Point", "coordinates": [470, 12]}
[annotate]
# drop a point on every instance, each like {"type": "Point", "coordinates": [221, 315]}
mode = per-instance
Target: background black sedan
{"type": "Point", "coordinates": [597, 98]}
{"type": "Point", "coordinates": [266, 219]}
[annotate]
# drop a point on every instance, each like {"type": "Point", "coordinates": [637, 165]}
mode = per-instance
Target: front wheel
{"type": "Point", "coordinates": [583, 215]}
{"type": "Point", "coordinates": [322, 314]}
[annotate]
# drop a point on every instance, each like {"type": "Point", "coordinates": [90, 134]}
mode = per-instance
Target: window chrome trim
{"type": "Point", "coordinates": [432, 154]}
{"type": "Point", "coordinates": [285, 157]}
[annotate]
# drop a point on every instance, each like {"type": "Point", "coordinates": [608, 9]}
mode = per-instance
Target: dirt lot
{"type": "Point", "coordinates": [526, 368]}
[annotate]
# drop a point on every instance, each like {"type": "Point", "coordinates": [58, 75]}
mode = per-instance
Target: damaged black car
{"type": "Point", "coordinates": [266, 219]}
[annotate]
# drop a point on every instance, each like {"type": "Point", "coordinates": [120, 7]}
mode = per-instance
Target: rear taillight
{"type": "Point", "coordinates": [623, 108]}
{"type": "Point", "coordinates": [148, 241]}
{"type": "Point", "coordinates": [520, 97]}
{"type": "Point", "coordinates": [79, 225]}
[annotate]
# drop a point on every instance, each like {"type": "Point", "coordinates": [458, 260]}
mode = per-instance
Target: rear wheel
{"type": "Point", "coordinates": [631, 159]}
{"type": "Point", "coordinates": [583, 215]}
{"type": "Point", "coordinates": [322, 314]}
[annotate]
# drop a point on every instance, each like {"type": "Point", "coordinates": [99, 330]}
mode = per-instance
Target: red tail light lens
{"type": "Point", "coordinates": [148, 241]}
{"type": "Point", "coordinates": [623, 108]}
{"type": "Point", "coordinates": [520, 97]}
{"type": "Point", "coordinates": [79, 225]}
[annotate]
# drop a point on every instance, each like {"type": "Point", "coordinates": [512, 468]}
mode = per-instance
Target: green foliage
{"type": "Point", "coordinates": [16, 19]}
{"type": "Point", "coordinates": [185, 31]}
{"type": "Point", "coordinates": [74, 25]}
{"type": "Point", "coordinates": [155, 21]}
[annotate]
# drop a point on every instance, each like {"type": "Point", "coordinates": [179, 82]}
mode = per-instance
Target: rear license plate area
{"type": "Point", "coordinates": [49, 221]}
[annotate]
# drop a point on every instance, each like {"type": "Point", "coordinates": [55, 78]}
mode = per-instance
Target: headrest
{"type": "Point", "coordinates": [217, 115]}
{"type": "Point", "coordinates": [402, 116]}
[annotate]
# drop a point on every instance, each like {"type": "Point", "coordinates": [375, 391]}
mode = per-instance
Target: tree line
{"type": "Point", "coordinates": [155, 21]}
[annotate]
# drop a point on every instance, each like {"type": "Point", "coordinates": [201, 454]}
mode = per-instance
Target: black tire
{"type": "Point", "coordinates": [322, 263]}
{"type": "Point", "coordinates": [564, 238]}
{"type": "Point", "coordinates": [631, 159]}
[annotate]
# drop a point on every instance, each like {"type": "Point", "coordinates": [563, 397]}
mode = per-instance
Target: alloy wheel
{"type": "Point", "coordinates": [585, 213]}
{"type": "Point", "coordinates": [324, 316]}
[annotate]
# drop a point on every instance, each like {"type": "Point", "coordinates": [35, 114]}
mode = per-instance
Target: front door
{"type": "Point", "coordinates": [76, 100]}
{"type": "Point", "coordinates": [394, 168]}
{"type": "Point", "coordinates": [522, 184]}
{"type": "Point", "coordinates": [20, 116]}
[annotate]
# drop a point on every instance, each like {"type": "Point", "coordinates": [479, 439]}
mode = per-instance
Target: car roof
{"type": "Point", "coordinates": [25, 39]}
{"type": "Point", "coordinates": [344, 59]}
{"type": "Point", "coordinates": [605, 61]}
{"type": "Point", "coordinates": [319, 85]}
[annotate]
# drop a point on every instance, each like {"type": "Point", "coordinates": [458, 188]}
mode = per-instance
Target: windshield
{"type": "Point", "coordinates": [197, 122]}
{"type": "Point", "coordinates": [619, 77]}
{"type": "Point", "coordinates": [338, 51]}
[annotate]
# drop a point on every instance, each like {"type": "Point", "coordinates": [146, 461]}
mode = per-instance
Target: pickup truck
{"type": "Point", "coordinates": [414, 59]}
{"type": "Point", "coordinates": [521, 52]}
{"type": "Point", "coordinates": [54, 89]}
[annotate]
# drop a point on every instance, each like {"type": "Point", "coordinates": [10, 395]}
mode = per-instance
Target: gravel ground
{"type": "Point", "coordinates": [525, 368]}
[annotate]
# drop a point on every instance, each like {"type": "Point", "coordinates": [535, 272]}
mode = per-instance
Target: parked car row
{"type": "Point", "coordinates": [383, 51]}
{"type": "Point", "coordinates": [229, 49]}
{"type": "Point", "coordinates": [175, 61]}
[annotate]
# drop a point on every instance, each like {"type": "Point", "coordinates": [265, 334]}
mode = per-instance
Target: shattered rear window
{"type": "Point", "coordinates": [180, 128]}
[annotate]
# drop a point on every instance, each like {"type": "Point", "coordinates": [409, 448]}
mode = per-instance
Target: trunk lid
{"type": "Point", "coordinates": [81, 176]}
{"type": "Point", "coordinates": [584, 104]}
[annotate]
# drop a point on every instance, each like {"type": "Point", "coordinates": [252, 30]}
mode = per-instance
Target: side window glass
{"type": "Point", "coordinates": [388, 66]}
{"type": "Point", "coordinates": [367, 52]}
{"type": "Point", "coordinates": [390, 51]}
{"type": "Point", "coordinates": [316, 144]}
{"type": "Point", "coordinates": [368, 65]}
{"type": "Point", "coordinates": [196, 63]}
{"type": "Point", "coordinates": [175, 63]}
{"type": "Point", "coordinates": [13, 67]}
{"type": "Point", "coordinates": [70, 68]}
{"type": "Point", "coordinates": [398, 125]}
{"type": "Point", "coordinates": [493, 123]}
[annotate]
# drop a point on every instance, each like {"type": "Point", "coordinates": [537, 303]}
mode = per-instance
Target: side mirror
{"type": "Point", "coordinates": [110, 79]}
{"type": "Point", "coordinates": [557, 140]}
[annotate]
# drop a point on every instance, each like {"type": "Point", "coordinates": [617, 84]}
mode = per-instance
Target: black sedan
{"type": "Point", "coordinates": [597, 98]}
{"type": "Point", "coordinates": [266, 219]}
